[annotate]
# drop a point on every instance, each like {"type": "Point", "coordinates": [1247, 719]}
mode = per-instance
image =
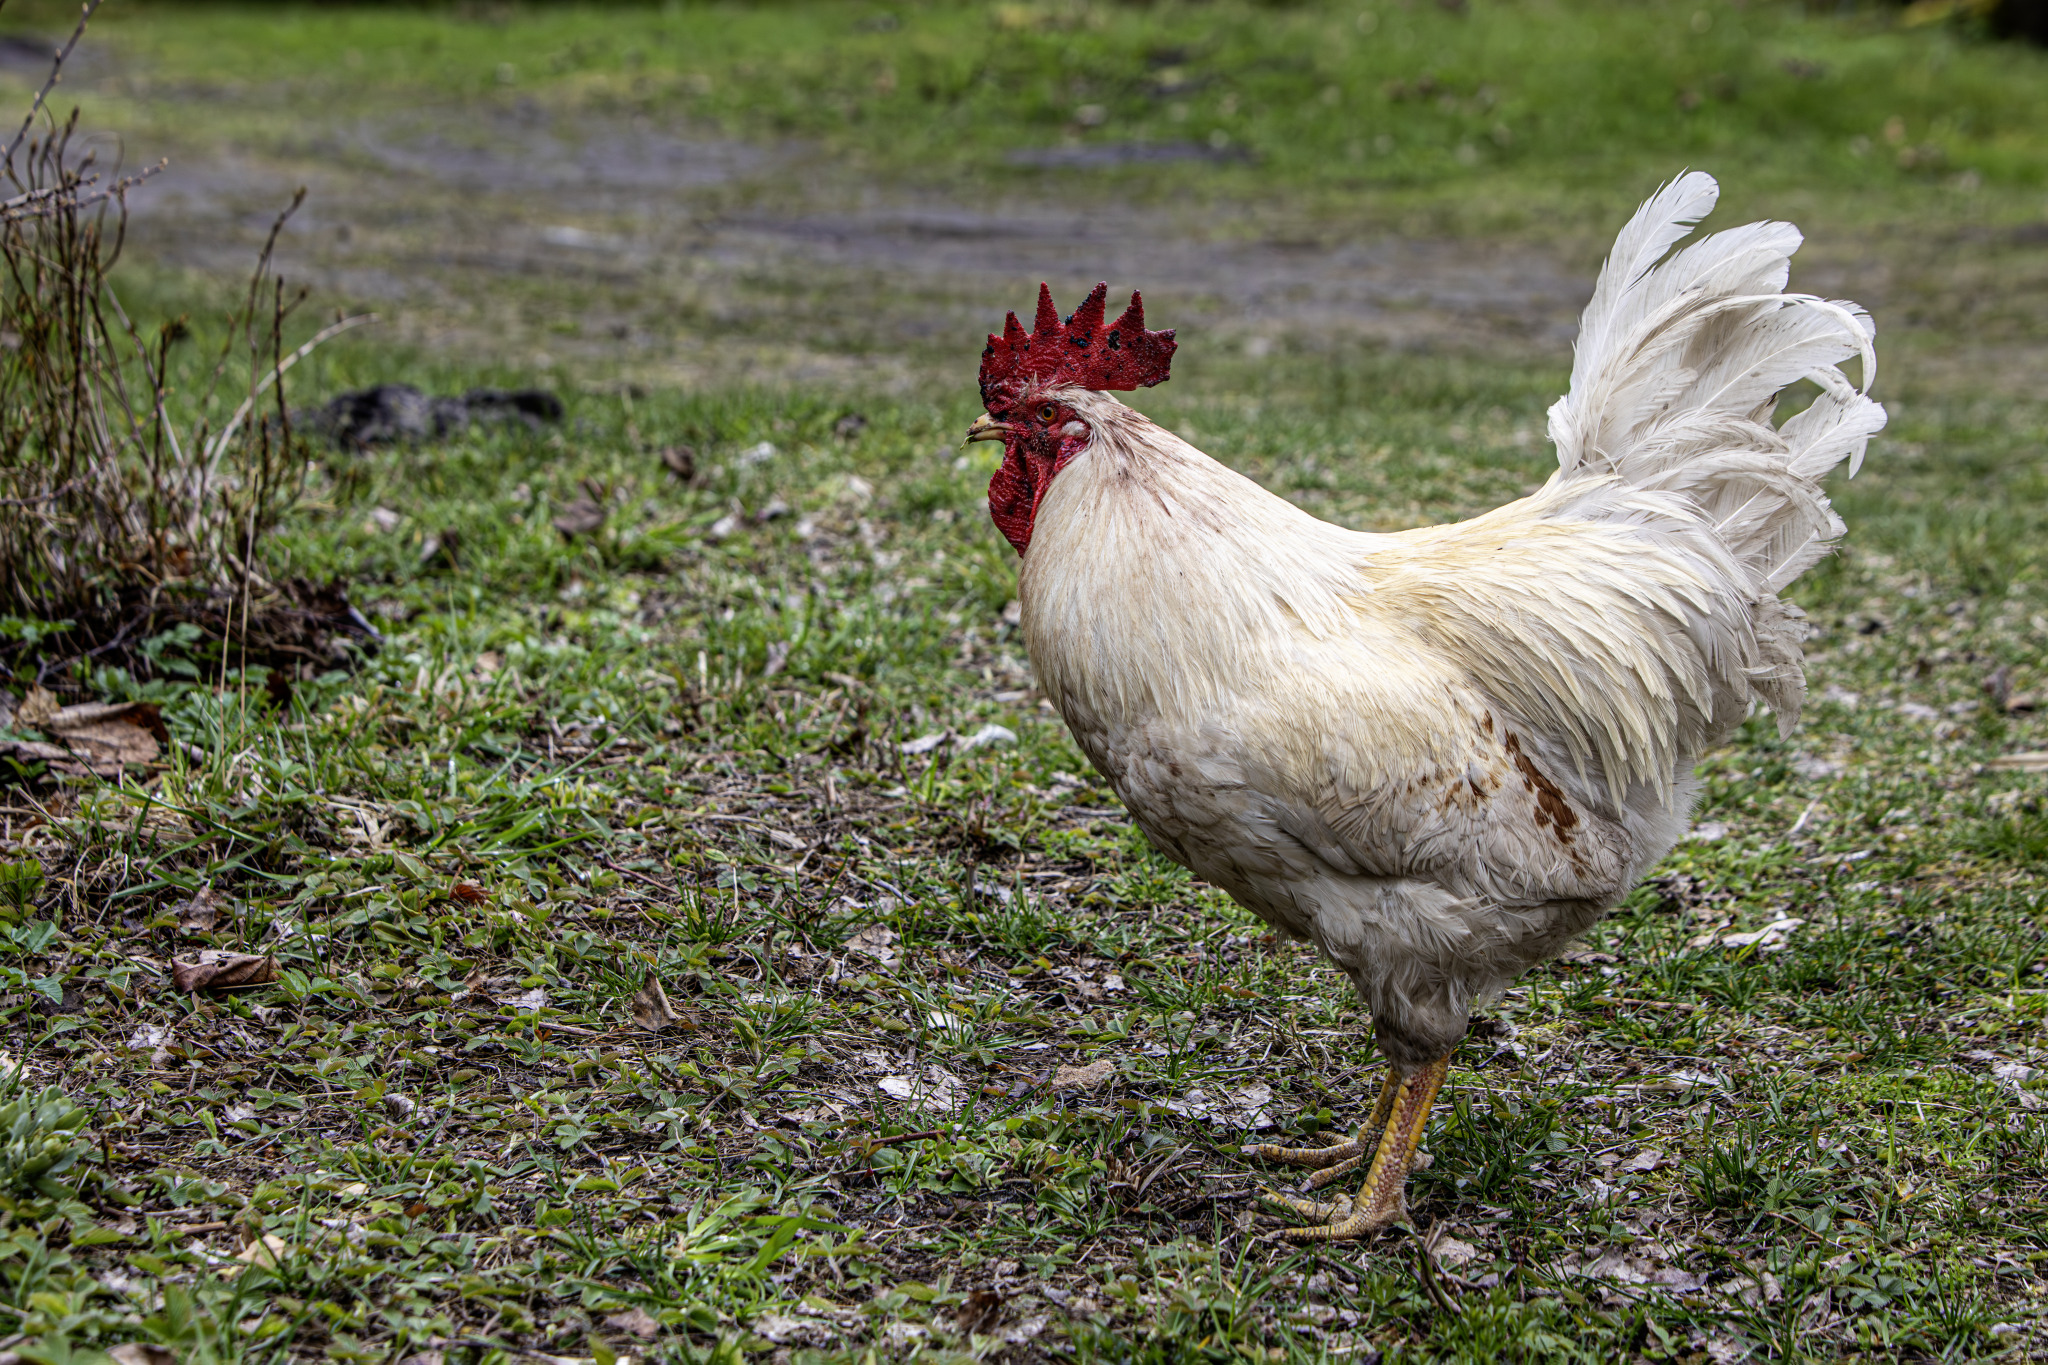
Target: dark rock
{"type": "Point", "coordinates": [391, 413]}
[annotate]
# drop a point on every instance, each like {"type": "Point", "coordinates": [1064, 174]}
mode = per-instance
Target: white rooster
{"type": "Point", "coordinates": [1438, 755]}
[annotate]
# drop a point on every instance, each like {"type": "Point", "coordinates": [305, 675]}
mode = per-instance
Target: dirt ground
{"type": "Point", "coordinates": [673, 257]}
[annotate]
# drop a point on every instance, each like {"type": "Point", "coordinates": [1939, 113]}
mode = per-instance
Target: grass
{"type": "Point", "coordinates": [568, 770]}
{"type": "Point", "coordinates": [1493, 114]}
{"type": "Point", "coordinates": [692, 748]}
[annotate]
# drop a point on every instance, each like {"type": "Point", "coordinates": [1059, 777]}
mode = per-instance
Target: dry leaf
{"type": "Point", "coordinates": [1771, 935]}
{"type": "Point", "coordinates": [936, 1091]}
{"type": "Point", "coordinates": [637, 1321]}
{"type": "Point", "coordinates": [217, 970]}
{"type": "Point", "coordinates": [1246, 1107]}
{"type": "Point", "coordinates": [38, 706]}
{"type": "Point", "coordinates": [469, 893]}
{"type": "Point", "coordinates": [580, 518]}
{"type": "Point", "coordinates": [143, 1353]}
{"type": "Point", "coordinates": [1452, 1253]}
{"type": "Point", "coordinates": [264, 1251]}
{"type": "Point", "coordinates": [650, 1006]}
{"type": "Point", "coordinates": [95, 737]}
{"type": "Point", "coordinates": [874, 941]}
{"type": "Point", "coordinates": [198, 915]}
{"type": "Point", "coordinates": [986, 735]}
{"type": "Point", "coordinates": [680, 461]}
{"type": "Point", "coordinates": [980, 1311]}
{"type": "Point", "coordinates": [1083, 1077]}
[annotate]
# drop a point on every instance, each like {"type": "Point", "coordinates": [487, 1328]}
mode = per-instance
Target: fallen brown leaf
{"type": "Point", "coordinates": [650, 1006]}
{"type": "Point", "coordinates": [217, 970]}
{"type": "Point", "coordinates": [469, 893]}
{"type": "Point", "coordinates": [198, 915]}
{"type": "Point", "coordinates": [875, 941]}
{"type": "Point", "coordinates": [979, 1311]}
{"type": "Point", "coordinates": [264, 1251]}
{"type": "Point", "coordinates": [94, 737]}
{"type": "Point", "coordinates": [680, 461]}
{"type": "Point", "coordinates": [1083, 1077]}
{"type": "Point", "coordinates": [637, 1321]}
{"type": "Point", "coordinates": [38, 706]}
{"type": "Point", "coordinates": [580, 518]}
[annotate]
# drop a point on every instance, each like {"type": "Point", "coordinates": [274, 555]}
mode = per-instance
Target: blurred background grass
{"type": "Point", "coordinates": [1511, 109]}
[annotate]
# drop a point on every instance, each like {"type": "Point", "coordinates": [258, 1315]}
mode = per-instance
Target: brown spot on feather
{"type": "Point", "coordinates": [1552, 810]}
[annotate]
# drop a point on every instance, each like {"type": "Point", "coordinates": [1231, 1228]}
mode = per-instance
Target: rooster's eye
{"type": "Point", "coordinates": [1047, 413]}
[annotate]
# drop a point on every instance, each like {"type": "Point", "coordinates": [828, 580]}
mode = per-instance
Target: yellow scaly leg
{"type": "Point", "coordinates": [1382, 1202]}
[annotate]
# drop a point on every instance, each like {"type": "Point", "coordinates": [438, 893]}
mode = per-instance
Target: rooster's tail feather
{"type": "Point", "coordinates": [1678, 369]}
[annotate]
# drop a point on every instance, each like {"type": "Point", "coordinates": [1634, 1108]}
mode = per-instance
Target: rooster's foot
{"type": "Point", "coordinates": [1338, 1221]}
{"type": "Point", "coordinates": [1383, 1202]}
{"type": "Point", "coordinates": [1330, 1163]}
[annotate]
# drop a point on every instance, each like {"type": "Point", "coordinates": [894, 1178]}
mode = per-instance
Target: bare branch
{"type": "Point", "coordinates": [50, 199]}
{"type": "Point", "coordinates": [56, 71]}
{"type": "Point", "coordinates": [331, 330]}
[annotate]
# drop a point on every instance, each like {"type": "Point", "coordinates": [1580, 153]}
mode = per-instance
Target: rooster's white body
{"type": "Point", "coordinates": [1441, 754]}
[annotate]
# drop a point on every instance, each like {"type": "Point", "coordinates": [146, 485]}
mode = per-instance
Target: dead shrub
{"type": "Point", "coordinates": [137, 482]}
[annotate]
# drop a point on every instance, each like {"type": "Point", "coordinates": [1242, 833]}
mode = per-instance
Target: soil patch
{"type": "Point", "coordinates": [669, 254]}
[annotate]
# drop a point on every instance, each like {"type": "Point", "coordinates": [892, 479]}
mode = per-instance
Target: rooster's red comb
{"type": "Point", "coordinates": [1081, 350]}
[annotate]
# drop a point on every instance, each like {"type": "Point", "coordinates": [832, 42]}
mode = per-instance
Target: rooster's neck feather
{"type": "Point", "coordinates": [1212, 574]}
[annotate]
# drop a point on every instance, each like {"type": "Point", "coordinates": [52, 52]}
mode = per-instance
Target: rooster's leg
{"type": "Point", "coordinates": [1381, 1203]}
{"type": "Point", "coordinates": [1330, 1163]}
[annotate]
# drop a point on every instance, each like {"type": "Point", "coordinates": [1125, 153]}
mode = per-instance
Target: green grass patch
{"type": "Point", "coordinates": [1495, 113]}
{"type": "Point", "coordinates": [663, 752]}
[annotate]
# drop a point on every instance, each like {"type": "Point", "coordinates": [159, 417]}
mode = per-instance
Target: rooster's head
{"type": "Point", "coordinates": [1028, 382]}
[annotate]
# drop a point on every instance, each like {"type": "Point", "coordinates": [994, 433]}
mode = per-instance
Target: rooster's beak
{"type": "Point", "coordinates": [987, 428]}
